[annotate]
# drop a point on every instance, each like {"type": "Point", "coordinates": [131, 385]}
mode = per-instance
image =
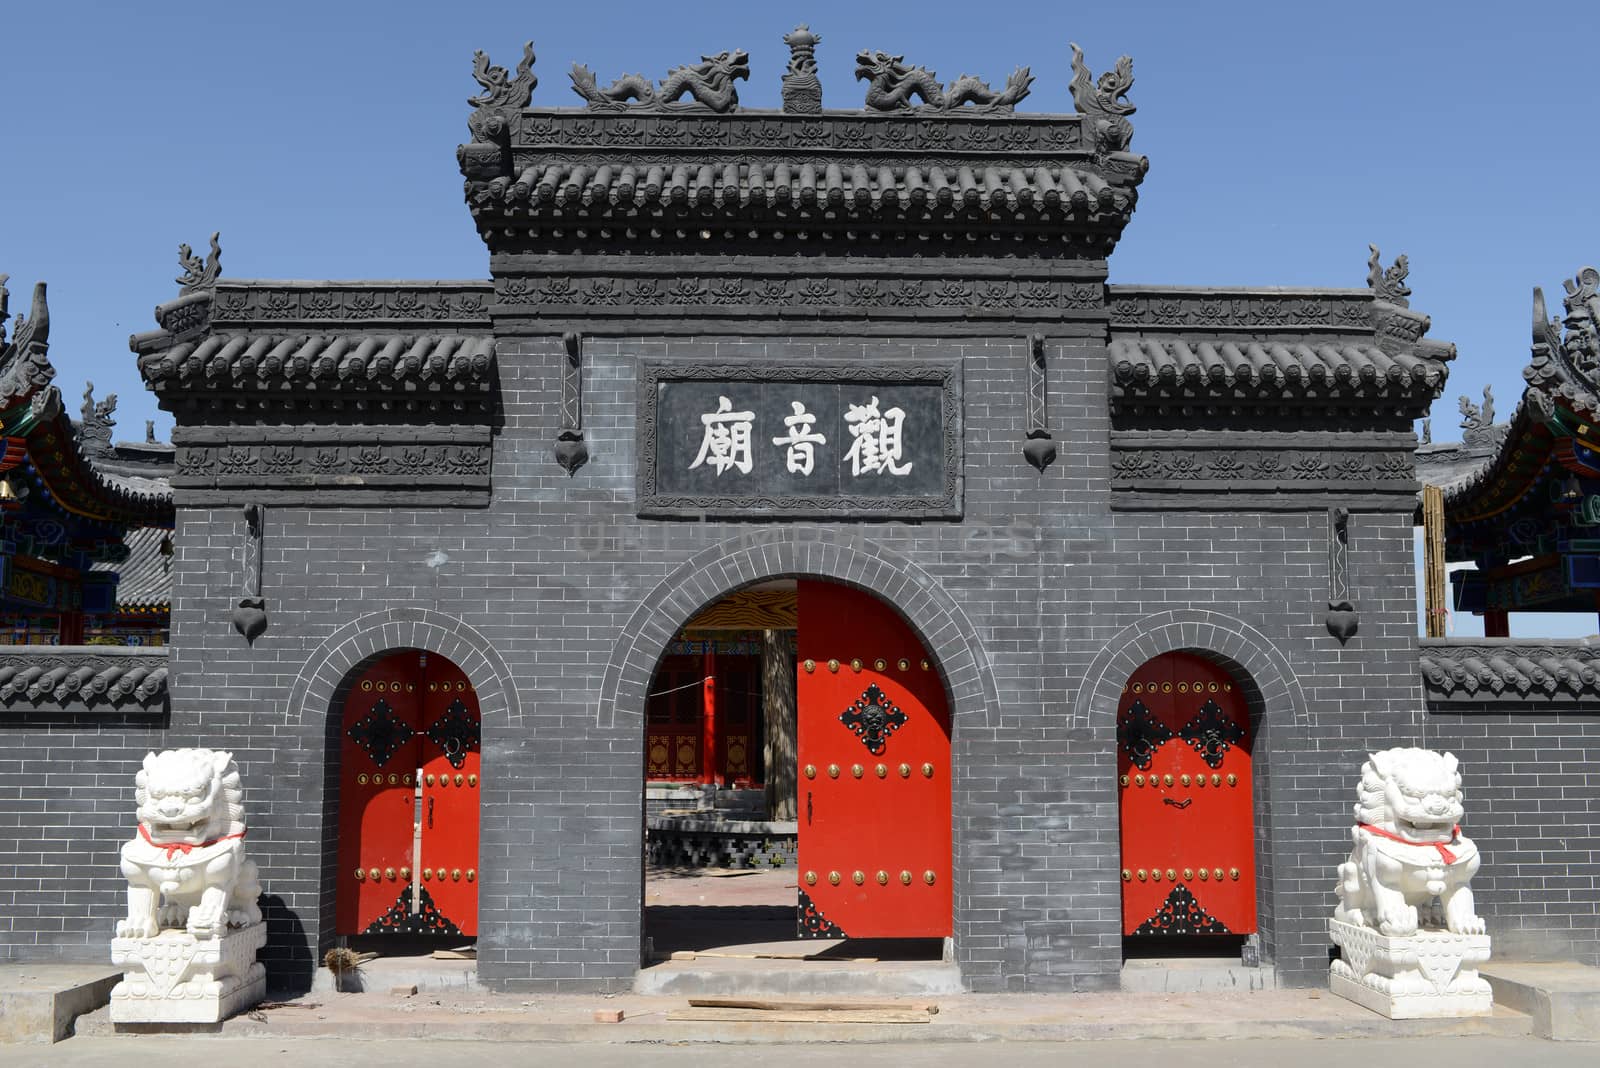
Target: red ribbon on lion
{"type": "Point", "coordinates": [1444, 854]}
{"type": "Point", "coordinates": [174, 848]}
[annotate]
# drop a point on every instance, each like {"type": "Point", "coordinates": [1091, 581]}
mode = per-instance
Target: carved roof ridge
{"type": "Point", "coordinates": [1133, 288]}
{"type": "Point", "coordinates": [334, 283]}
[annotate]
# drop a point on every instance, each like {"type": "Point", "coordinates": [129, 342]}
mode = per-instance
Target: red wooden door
{"type": "Point", "coordinates": [874, 754]}
{"type": "Point", "coordinates": [676, 712]}
{"type": "Point", "coordinates": [405, 869]}
{"type": "Point", "coordinates": [1183, 764]}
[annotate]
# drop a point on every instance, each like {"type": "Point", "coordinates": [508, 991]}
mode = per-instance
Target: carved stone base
{"type": "Point", "coordinates": [180, 979]}
{"type": "Point", "coordinates": [1430, 974]}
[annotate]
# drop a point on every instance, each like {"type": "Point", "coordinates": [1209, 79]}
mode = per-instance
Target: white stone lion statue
{"type": "Point", "coordinates": [186, 866]}
{"type": "Point", "coordinates": [1410, 865]}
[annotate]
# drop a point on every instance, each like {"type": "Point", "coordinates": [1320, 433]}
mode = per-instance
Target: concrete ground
{"type": "Point", "coordinates": [118, 1052]}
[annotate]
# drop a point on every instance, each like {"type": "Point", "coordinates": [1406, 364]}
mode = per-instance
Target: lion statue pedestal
{"type": "Point", "coordinates": [1408, 933]}
{"type": "Point", "coordinates": [189, 943]}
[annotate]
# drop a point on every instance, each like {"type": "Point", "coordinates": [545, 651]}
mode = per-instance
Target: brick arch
{"type": "Point", "coordinates": [1264, 672]}
{"type": "Point", "coordinates": [801, 552]}
{"type": "Point", "coordinates": [368, 636]}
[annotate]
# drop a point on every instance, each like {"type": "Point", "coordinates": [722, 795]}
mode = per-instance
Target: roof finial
{"type": "Point", "coordinates": [198, 274]}
{"type": "Point", "coordinates": [802, 91]}
{"type": "Point", "coordinates": [1388, 285]}
{"type": "Point", "coordinates": [1104, 102]}
{"type": "Point", "coordinates": [499, 89]}
{"type": "Point", "coordinates": [94, 432]}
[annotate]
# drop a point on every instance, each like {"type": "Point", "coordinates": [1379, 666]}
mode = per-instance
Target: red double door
{"type": "Point", "coordinates": [1184, 786]}
{"type": "Point", "coordinates": [874, 784]}
{"type": "Point", "coordinates": [409, 783]}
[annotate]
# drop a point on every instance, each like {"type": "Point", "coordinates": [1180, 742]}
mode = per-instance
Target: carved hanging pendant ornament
{"type": "Point", "coordinates": [873, 718]}
{"type": "Point", "coordinates": [1141, 734]}
{"type": "Point", "coordinates": [1211, 733]}
{"type": "Point", "coordinates": [250, 611]}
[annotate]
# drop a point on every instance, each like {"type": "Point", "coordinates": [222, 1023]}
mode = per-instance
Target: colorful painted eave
{"type": "Point", "coordinates": [1555, 433]}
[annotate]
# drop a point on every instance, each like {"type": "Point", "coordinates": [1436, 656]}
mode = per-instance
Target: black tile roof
{"type": "Point", "coordinates": [144, 579]}
{"type": "Point", "coordinates": [1312, 369]}
{"type": "Point", "coordinates": [267, 359]}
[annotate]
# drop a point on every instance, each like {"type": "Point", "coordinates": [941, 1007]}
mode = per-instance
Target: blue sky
{"type": "Point", "coordinates": [319, 138]}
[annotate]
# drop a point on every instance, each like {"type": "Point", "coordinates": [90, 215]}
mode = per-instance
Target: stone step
{"type": "Point", "coordinates": [39, 1002]}
{"type": "Point", "coordinates": [1562, 997]}
{"type": "Point", "coordinates": [711, 977]}
{"type": "Point", "coordinates": [1190, 975]}
{"type": "Point", "coordinates": [386, 974]}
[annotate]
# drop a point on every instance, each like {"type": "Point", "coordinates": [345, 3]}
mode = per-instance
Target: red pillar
{"type": "Point", "coordinates": [1496, 624]}
{"type": "Point", "coordinates": [708, 717]}
{"type": "Point", "coordinates": [71, 632]}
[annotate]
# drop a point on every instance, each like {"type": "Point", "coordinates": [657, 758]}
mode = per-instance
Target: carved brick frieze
{"type": "Point", "coordinates": [445, 304]}
{"type": "Point", "coordinates": [1174, 469]}
{"type": "Point", "coordinates": [327, 465]}
{"type": "Point", "coordinates": [1531, 673]}
{"type": "Point", "coordinates": [1241, 312]}
{"type": "Point", "coordinates": [931, 433]}
{"type": "Point", "coordinates": [1028, 136]}
{"type": "Point", "coordinates": [554, 289]}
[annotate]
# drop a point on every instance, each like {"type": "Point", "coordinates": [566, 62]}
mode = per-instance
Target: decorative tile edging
{"type": "Point", "coordinates": [96, 678]}
{"type": "Point", "coordinates": [1533, 673]}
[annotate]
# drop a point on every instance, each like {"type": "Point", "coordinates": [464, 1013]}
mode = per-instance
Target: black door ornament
{"type": "Point", "coordinates": [1141, 734]}
{"type": "Point", "coordinates": [380, 733]}
{"type": "Point", "coordinates": [456, 732]}
{"type": "Point", "coordinates": [872, 718]}
{"type": "Point", "coordinates": [1211, 733]}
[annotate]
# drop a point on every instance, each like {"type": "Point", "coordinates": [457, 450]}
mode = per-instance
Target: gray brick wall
{"type": "Point", "coordinates": [556, 599]}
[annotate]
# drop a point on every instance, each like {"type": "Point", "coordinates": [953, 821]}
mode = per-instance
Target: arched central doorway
{"type": "Point", "coordinates": [409, 783]}
{"type": "Point", "coordinates": [798, 728]}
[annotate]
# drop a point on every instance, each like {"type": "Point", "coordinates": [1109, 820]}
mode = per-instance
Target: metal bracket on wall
{"type": "Point", "coordinates": [571, 452]}
{"type": "Point", "coordinates": [250, 613]}
{"type": "Point", "coordinates": [1341, 618]}
{"type": "Point", "coordinates": [1039, 449]}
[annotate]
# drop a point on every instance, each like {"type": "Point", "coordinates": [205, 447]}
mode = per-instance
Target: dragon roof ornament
{"type": "Point", "coordinates": [710, 84]}
{"type": "Point", "coordinates": [199, 274]}
{"type": "Point", "coordinates": [1104, 103]}
{"type": "Point", "coordinates": [96, 424]}
{"type": "Point", "coordinates": [24, 360]}
{"type": "Point", "coordinates": [1567, 365]}
{"type": "Point", "coordinates": [500, 90]}
{"type": "Point", "coordinates": [1389, 285]}
{"type": "Point", "coordinates": [891, 85]}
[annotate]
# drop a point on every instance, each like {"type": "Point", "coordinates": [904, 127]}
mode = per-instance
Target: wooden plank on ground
{"type": "Point", "coordinates": [871, 1016]}
{"type": "Point", "coordinates": [772, 1005]}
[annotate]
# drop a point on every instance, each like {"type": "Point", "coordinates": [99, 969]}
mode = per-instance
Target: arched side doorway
{"type": "Point", "coordinates": [1185, 789]}
{"type": "Point", "coordinates": [409, 788]}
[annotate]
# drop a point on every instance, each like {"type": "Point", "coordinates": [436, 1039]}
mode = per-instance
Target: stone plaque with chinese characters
{"type": "Point", "coordinates": [795, 439]}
